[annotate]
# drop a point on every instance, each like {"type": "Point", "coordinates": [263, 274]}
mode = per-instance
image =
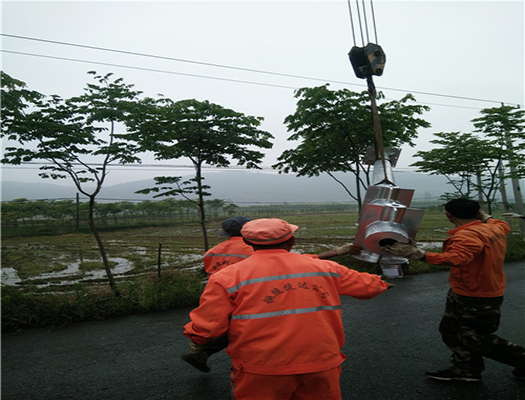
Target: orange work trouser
{"type": "Point", "coordinates": [313, 386]}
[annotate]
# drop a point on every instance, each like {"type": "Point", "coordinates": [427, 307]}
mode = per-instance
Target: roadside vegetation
{"type": "Point", "coordinates": [165, 268]}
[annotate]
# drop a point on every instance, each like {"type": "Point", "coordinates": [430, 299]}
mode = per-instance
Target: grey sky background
{"type": "Point", "coordinates": [458, 57]}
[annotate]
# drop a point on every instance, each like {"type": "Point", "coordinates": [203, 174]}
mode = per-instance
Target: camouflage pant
{"type": "Point", "coordinates": [468, 327]}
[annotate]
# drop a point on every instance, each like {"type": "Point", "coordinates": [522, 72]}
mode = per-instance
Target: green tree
{"type": "Point", "coordinates": [504, 127]}
{"type": "Point", "coordinates": [104, 211]}
{"type": "Point", "coordinates": [335, 129]}
{"type": "Point", "coordinates": [127, 209]}
{"type": "Point", "coordinates": [16, 211]}
{"type": "Point", "coordinates": [231, 209]}
{"type": "Point", "coordinates": [205, 133]}
{"type": "Point", "coordinates": [480, 163]}
{"type": "Point", "coordinates": [59, 210]}
{"type": "Point", "coordinates": [77, 137]}
{"type": "Point", "coordinates": [469, 163]}
{"type": "Point", "coordinates": [145, 208]}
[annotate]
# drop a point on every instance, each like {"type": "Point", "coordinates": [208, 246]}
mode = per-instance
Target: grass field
{"type": "Point", "coordinates": [181, 245]}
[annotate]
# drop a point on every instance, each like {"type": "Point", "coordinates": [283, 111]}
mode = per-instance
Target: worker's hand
{"type": "Point", "coordinates": [513, 215]}
{"type": "Point", "coordinates": [483, 216]}
{"type": "Point", "coordinates": [408, 250]}
{"type": "Point", "coordinates": [348, 249]}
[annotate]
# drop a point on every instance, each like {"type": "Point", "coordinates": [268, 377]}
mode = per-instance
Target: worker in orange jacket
{"type": "Point", "coordinates": [475, 251]}
{"type": "Point", "coordinates": [230, 251]}
{"type": "Point", "coordinates": [281, 312]}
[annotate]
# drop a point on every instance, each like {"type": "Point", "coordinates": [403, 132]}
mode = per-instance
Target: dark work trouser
{"type": "Point", "coordinates": [468, 327]}
{"type": "Point", "coordinates": [215, 345]}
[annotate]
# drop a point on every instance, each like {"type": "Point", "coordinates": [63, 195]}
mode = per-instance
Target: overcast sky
{"type": "Point", "coordinates": [458, 57]}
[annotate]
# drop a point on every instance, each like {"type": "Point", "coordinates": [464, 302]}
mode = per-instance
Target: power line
{"type": "Point", "coordinates": [172, 59]}
{"type": "Point", "coordinates": [162, 57]}
{"type": "Point", "coordinates": [146, 69]}
{"type": "Point", "coordinates": [133, 167]}
{"type": "Point", "coordinates": [183, 166]}
{"type": "Point", "coordinates": [224, 79]}
{"type": "Point", "coordinates": [216, 66]}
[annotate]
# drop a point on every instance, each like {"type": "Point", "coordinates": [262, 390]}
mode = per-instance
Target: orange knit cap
{"type": "Point", "coordinates": [267, 231]}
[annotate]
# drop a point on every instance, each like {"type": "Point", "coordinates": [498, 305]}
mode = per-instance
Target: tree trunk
{"type": "Point", "coordinates": [518, 200]}
{"type": "Point", "coordinates": [503, 189]}
{"type": "Point", "coordinates": [77, 226]}
{"type": "Point", "coordinates": [202, 213]}
{"type": "Point", "coordinates": [480, 185]}
{"type": "Point", "coordinates": [101, 247]}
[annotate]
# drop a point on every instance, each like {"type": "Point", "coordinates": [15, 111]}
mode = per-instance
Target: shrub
{"type": "Point", "coordinates": [24, 308]}
{"type": "Point", "coordinates": [515, 248]}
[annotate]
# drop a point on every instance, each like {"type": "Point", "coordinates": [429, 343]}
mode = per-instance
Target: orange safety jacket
{"type": "Point", "coordinates": [229, 252]}
{"type": "Point", "coordinates": [477, 251]}
{"type": "Point", "coordinates": [281, 311]}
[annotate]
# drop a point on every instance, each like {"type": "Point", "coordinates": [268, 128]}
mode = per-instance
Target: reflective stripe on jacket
{"type": "Point", "coordinates": [281, 310]}
{"type": "Point", "coordinates": [226, 253]}
{"type": "Point", "coordinates": [477, 249]}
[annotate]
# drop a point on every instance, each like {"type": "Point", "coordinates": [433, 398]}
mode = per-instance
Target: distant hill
{"type": "Point", "coordinates": [240, 187]}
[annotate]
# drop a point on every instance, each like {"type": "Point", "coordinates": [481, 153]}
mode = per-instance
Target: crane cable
{"type": "Point", "coordinates": [378, 135]}
{"type": "Point", "coordinates": [361, 20]}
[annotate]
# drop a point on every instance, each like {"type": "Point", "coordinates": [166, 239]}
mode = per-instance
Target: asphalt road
{"type": "Point", "coordinates": [391, 341]}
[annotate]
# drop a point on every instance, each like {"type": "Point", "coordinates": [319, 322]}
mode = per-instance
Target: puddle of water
{"type": "Point", "coordinates": [10, 275]}
{"type": "Point", "coordinates": [192, 261]}
{"type": "Point", "coordinates": [123, 266]}
{"type": "Point", "coordinates": [189, 258]}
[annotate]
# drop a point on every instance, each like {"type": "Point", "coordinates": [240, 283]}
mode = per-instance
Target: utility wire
{"type": "Point", "coordinates": [138, 165]}
{"type": "Point", "coordinates": [147, 69]}
{"type": "Point", "coordinates": [165, 58]}
{"type": "Point", "coordinates": [267, 84]}
{"type": "Point", "coordinates": [219, 66]}
{"type": "Point", "coordinates": [162, 167]}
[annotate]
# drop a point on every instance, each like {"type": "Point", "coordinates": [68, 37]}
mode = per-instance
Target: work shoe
{"type": "Point", "coordinates": [198, 360]}
{"type": "Point", "coordinates": [448, 375]}
{"type": "Point", "coordinates": [519, 373]}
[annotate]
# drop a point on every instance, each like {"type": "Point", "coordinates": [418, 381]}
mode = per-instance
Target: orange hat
{"type": "Point", "coordinates": [267, 231]}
